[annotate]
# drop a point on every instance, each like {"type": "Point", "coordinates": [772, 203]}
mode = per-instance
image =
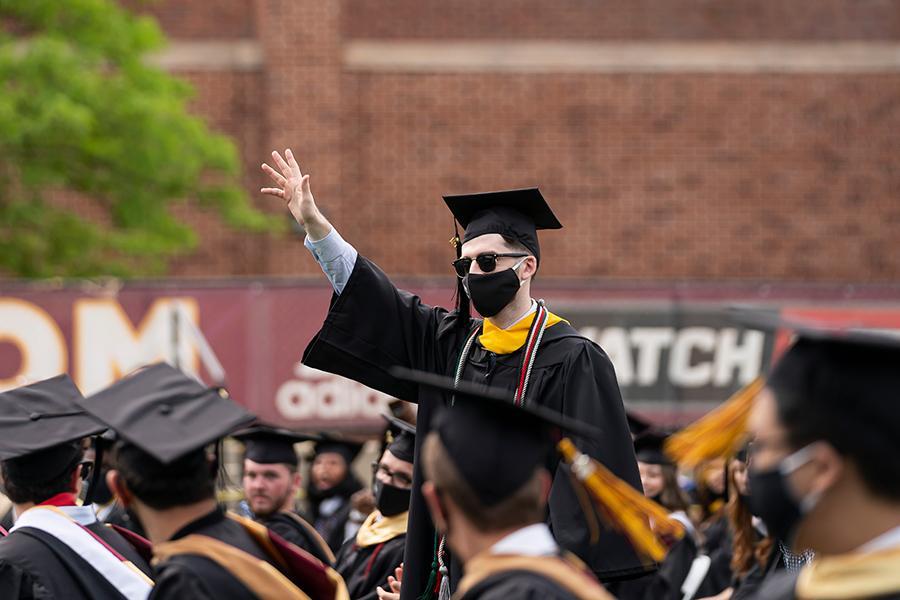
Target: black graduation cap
{"type": "Point", "coordinates": [165, 413]}
{"type": "Point", "coordinates": [402, 438]}
{"type": "Point", "coordinates": [516, 214]}
{"type": "Point", "coordinates": [495, 445]}
{"type": "Point", "coordinates": [41, 428]}
{"type": "Point", "coordinates": [843, 373]}
{"type": "Point", "coordinates": [332, 444]}
{"type": "Point", "coordinates": [848, 332]}
{"type": "Point", "coordinates": [266, 445]}
{"type": "Point", "coordinates": [648, 448]}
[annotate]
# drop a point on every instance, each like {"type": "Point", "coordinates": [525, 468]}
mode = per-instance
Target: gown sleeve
{"type": "Point", "coordinates": [16, 583]}
{"type": "Point", "coordinates": [372, 326]}
{"type": "Point", "coordinates": [590, 394]}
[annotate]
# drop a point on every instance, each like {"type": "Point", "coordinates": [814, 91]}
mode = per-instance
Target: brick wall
{"type": "Point", "coordinates": [624, 19]}
{"type": "Point", "coordinates": [655, 176]}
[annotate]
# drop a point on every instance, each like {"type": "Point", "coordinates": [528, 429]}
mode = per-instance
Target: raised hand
{"type": "Point", "coordinates": [293, 188]}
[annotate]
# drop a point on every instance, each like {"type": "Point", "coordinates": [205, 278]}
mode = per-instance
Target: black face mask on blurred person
{"type": "Point", "coordinates": [491, 292]}
{"type": "Point", "coordinates": [390, 499]}
{"type": "Point", "coordinates": [772, 501]}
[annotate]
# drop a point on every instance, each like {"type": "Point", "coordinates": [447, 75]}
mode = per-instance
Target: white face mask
{"type": "Point", "coordinates": [793, 462]}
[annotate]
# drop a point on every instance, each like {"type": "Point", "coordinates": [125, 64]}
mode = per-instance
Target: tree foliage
{"type": "Point", "coordinates": [81, 110]}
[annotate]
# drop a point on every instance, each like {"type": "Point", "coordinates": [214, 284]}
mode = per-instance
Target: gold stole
{"type": "Point", "coordinates": [851, 576]}
{"type": "Point", "coordinates": [261, 578]}
{"type": "Point", "coordinates": [507, 341]}
{"type": "Point", "coordinates": [568, 572]}
{"type": "Point", "coordinates": [373, 531]}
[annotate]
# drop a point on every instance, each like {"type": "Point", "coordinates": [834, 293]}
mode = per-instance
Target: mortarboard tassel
{"type": "Point", "coordinates": [462, 298]}
{"type": "Point", "coordinates": [720, 433]}
{"type": "Point", "coordinates": [626, 508]}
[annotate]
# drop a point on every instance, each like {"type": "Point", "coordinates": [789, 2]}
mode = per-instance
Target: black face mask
{"type": "Point", "coordinates": [390, 499]}
{"type": "Point", "coordinates": [491, 292]}
{"type": "Point", "coordinates": [771, 501]}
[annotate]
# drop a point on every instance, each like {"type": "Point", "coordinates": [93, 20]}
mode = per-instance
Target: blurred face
{"type": "Point", "coordinates": [328, 470]}
{"type": "Point", "coordinates": [739, 473]}
{"type": "Point", "coordinates": [714, 476]}
{"type": "Point", "coordinates": [651, 478]}
{"type": "Point", "coordinates": [269, 488]}
{"type": "Point", "coordinates": [770, 445]}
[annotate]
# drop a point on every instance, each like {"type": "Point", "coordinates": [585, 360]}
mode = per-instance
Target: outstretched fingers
{"type": "Point", "coordinates": [292, 163]}
{"type": "Point", "coordinates": [273, 192]}
{"type": "Point", "coordinates": [277, 177]}
{"type": "Point", "coordinates": [285, 168]}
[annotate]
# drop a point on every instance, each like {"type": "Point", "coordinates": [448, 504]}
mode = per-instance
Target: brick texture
{"type": "Point", "coordinates": [198, 19]}
{"type": "Point", "coordinates": [656, 177]}
{"type": "Point", "coordinates": [625, 19]}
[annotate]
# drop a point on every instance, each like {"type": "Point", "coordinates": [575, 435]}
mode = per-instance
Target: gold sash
{"type": "Point", "coordinates": [569, 573]}
{"type": "Point", "coordinates": [507, 341]}
{"type": "Point", "coordinates": [261, 578]}
{"type": "Point", "coordinates": [374, 531]}
{"type": "Point", "coordinates": [851, 576]}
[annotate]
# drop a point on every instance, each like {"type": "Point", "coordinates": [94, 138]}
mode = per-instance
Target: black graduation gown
{"type": "Point", "coordinates": [521, 585]}
{"type": "Point", "coordinates": [124, 518]}
{"type": "Point", "coordinates": [306, 538]}
{"type": "Point", "coordinates": [197, 577]}
{"type": "Point", "coordinates": [364, 569]}
{"type": "Point", "coordinates": [332, 527]}
{"type": "Point", "coordinates": [747, 586]}
{"type": "Point", "coordinates": [372, 326]}
{"type": "Point", "coordinates": [35, 565]}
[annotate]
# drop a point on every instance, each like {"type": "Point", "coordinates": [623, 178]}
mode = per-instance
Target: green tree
{"type": "Point", "coordinates": [82, 110]}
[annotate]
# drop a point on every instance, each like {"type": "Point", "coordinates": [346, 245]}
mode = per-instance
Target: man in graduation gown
{"type": "Point", "coordinates": [271, 480]}
{"type": "Point", "coordinates": [485, 465]}
{"type": "Point", "coordinates": [165, 420]}
{"type": "Point", "coordinates": [372, 326]}
{"type": "Point", "coordinates": [56, 548]}
{"type": "Point", "coordinates": [825, 465]}
{"type": "Point", "coordinates": [366, 561]}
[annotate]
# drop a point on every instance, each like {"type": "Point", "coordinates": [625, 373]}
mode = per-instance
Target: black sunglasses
{"type": "Point", "coordinates": [487, 262]}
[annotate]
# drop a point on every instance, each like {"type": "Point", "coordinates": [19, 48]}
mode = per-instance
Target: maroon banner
{"type": "Point", "coordinates": [676, 352]}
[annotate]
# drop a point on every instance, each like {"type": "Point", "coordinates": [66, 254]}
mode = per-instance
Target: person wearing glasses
{"type": "Point", "coordinates": [376, 552]}
{"type": "Point", "coordinates": [57, 548]}
{"type": "Point", "coordinates": [518, 345]}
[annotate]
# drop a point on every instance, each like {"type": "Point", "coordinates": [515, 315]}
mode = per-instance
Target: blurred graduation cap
{"type": "Point", "coordinates": [165, 413]}
{"type": "Point", "coordinates": [496, 447]}
{"type": "Point", "coordinates": [516, 214]}
{"type": "Point", "coordinates": [265, 444]}
{"type": "Point", "coordinates": [648, 448]}
{"type": "Point", "coordinates": [844, 373]}
{"type": "Point", "coordinates": [332, 444]}
{"type": "Point", "coordinates": [41, 428]}
{"type": "Point", "coordinates": [400, 438]}
{"type": "Point", "coordinates": [847, 332]}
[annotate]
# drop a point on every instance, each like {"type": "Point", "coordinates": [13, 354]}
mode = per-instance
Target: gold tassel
{"type": "Point", "coordinates": [718, 434]}
{"type": "Point", "coordinates": [640, 519]}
